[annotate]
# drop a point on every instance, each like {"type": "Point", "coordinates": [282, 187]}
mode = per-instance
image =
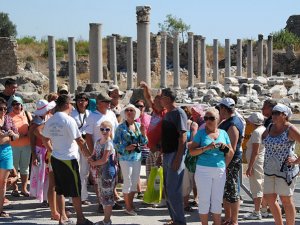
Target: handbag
{"type": "Point", "coordinates": [190, 162]}
{"type": "Point", "coordinates": [153, 193]}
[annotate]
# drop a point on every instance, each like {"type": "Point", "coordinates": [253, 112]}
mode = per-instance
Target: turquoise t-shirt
{"type": "Point", "coordinates": [213, 157]}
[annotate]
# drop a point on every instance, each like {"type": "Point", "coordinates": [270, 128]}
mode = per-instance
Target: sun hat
{"type": "Point", "coordinates": [200, 109]}
{"type": "Point", "coordinates": [284, 109]}
{"type": "Point", "coordinates": [103, 97]}
{"type": "Point", "coordinates": [256, 118]}
{"type": "Point", "coordinates": [137, 111]}
{"type": "Point", "coordinates": [43, 106]}
{"type": "Point", "coordinates": [17, 99]}
{"type": "Point", "coordinates": [228, 102]}
{"type": "Point", "coordinates": [63, 89]}
{"type": "Point", "coordinates": [113, 87]}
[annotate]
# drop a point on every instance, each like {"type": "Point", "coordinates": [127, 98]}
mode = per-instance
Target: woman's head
{"type": "Point", "coordinates": [106, 129]}
{"type": "Point", "coordinates": [212, 117]}
{"type": "Point", "coordinates": [281, 113]}
{"type": "Point", "coordinates": [130, 112]}
{"type": "Point", "coordinates": [17, 104]}
{"type": "Point", "coordinates": [256, 118]}
{"type": "Point", "coordinates": [3, 106]}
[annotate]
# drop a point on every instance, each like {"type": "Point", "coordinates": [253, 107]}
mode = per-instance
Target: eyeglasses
{"type": "Point", "coordinates": [139, 106]}
{"type": "Point", "coordinates": [3, 109]}
{"type": "Point", "coordinates": [104, 129]}
{"type": "Point", "coordinates": [16, 104]}
{"type": "Point", "coordinates": [82, 100]}
{"type": "Point", "coordinates": [211, 118]}
{"type": "Point", "coordinates": [129, 110]}
{"type": "Point", "coordinates": [276, 113]}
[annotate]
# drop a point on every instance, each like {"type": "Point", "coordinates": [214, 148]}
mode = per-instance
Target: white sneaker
{"type": "Point", "coordinates": [264, 214]}
{"type": "Point", "coordinates": [131, 213]}
{"type": "Point", "coordinates": [253, 216]}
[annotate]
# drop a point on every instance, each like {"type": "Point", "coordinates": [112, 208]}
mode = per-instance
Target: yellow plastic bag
{"type": "Point", "coordinates": [154, 189]}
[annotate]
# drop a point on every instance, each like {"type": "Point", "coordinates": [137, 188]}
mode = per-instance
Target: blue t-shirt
{"type": "Point", "coordinates": [213, 157]}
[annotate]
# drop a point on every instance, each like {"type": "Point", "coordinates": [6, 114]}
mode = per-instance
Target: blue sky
{"type": "Point", "coordinates": [211, 18]}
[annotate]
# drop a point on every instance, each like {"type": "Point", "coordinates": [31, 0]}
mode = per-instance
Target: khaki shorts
{"type": "Point", "coordinates": [277, 185]}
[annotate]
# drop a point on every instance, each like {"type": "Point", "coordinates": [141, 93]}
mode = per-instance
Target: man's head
{"type": "Point", "coordinates": [268, 106]}
{"type": "Point", "coordinates": [64, 104]}
{"type": "Point", "coordinates": [103, 102]}
{"type": "Point", "coordinates": [226, 107]}
{"type": "Point", "coordinates": [82, 101]}
{"type": "Point", "coordinates": [115, 93]}
{"type": "Point", "coordinates": [168, 97]}
{"type": "Point", "coordinates": [11, 87]}
{"type": "Point", "coordinates": [63, 90]}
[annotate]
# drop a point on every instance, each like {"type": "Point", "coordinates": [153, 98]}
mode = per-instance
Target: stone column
{"type": "Point", "coordinates": [176, 61]}
{"type": "Point", "coordinates": [72, 65]}
{"type": "Point", "coordinates": [198, 58]}
{"type": "Point", "coordinates": [216, 61]}
{"type": "Point", "coordinates": [143, 44]}
{"type": "Point", "coordinates": [203, 60]}
{"type": "Point", "coordinates": [52, 64]}
{"type": "Point", "coordinates": [227, 58]}
{"type": "Point", "coordinates": [191, 59]}
{"type": "Point", "coordinates": [270, 55]}
{"type": "Point", "coordinates": [129, 63]}
{"type": "Point", "coordinates": [260, 55]}
{"type": "Point", "coordinates": [95, 56]}
{"type": "Point", "coordinates": [249, 59]}
{"type": "Point", "coordinates": [163, 62]}
{"type": "Point", "coordinates": [239, 58]}
{"type": "Point", "coordinates": [113, 59]}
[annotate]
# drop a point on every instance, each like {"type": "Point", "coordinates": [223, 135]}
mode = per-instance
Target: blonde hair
{"type": "Point", "coordinates": [213, 111]}
{"type": "Point", "coordinates": [106, 123]}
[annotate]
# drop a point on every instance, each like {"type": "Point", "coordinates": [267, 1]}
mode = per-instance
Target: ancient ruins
{"type": "Point", "coordinates": [247, 70]}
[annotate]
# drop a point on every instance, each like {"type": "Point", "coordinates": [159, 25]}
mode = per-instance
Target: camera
{"type": "Point", "coordinates": [137, 148]}
{"type": "Point", "coordinates": [225, 149]}
{"type": "Point", "coordinates": [218, 145]}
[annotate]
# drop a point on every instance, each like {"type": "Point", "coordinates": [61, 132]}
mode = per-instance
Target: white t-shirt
{"type": "Point", "coordinates": [80, 119]}
{"type": "Point", "coordinates": [256, 138]}
{"type": "Point", "coordinates": [62, 131]}
{"type": "Point", "coordinates": [95, 119]}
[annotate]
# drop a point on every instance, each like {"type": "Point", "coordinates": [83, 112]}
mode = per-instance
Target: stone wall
{"type": "Point", "coordinates": [9, 63]}
{"type": "Point", "coordinates": [293, 24]}
{"type": "Point", "coordinates": [82, 66]}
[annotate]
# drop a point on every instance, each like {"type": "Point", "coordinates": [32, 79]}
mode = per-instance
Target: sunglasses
{"type": "Point", "coordinates": [82, 100]}
{"type": "Point", "coordinates": [104, 129]}
{"type": "Point", "coordinates": [211, 118]}
{"type": "Point", "coordinates": [276, 113]}
{"type": "Point", "coordinates": [16, 104]}
{"type": "Point", "coordinates": [3, 109]}
{"type": "Point", "coordinates": [139, 106]}
{"type": "Point", "coordinates": [129, 110]}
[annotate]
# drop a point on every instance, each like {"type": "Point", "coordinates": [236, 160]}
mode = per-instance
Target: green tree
{"type": "Point", "coordinates": [172, 24]}
{"type": "Point", "coordinates": [7, 28]}
{"type": "Point", "coordinates": [284, 38]}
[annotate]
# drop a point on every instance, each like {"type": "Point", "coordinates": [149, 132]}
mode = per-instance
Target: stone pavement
{"type": "Point", "coordinates": [27, 211]}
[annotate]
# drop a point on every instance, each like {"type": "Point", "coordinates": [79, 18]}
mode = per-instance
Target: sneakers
{"type": "Point", "coordinates": [117, 206]}
{"type": "Point", "coordinates": [264, 213]}
{"type": "Point", "coordinates": [131, 213]}
{"type": "Point", "coordinates": [253, 216]}
{"type": "Point", "coordinates": [140, 195]}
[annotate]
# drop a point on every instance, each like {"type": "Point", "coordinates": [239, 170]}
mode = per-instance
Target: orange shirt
{"type": "Point", "coordinates": [21, 123]}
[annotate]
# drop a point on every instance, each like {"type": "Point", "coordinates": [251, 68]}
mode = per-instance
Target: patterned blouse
{"type": "Point", "coordinates": [278, 149]}
{"type": "Point", "coordinates": [125, 137]}
{"type": "Point", "coordinates": [9, 125]}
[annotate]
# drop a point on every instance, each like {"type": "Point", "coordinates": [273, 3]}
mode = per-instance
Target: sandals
{"type": "Point", "coordinates": [25, 194]}
{"type": "Point", "coordinates": [188, 209]}
{"type": "Point", "coordinates": [226, 222]}
{"type": "Point", "coordinates": [4, 214]}
{"type": "Point", "coordinates": [15, 193]}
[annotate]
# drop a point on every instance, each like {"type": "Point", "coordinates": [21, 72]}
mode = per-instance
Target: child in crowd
{"type": "Point", "coordinates": [104, 170]}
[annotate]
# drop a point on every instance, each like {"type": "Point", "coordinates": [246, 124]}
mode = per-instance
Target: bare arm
{"type": "Point", "coordinates": [195, 150]}
{"type": "Point", "coordinates": [147, 93]}
{"type": "Point", "coordinates": [255, 150]}
{"type": "Point", "coordinates": [32, 138]}
{"type": "Point", "coordinates": [180, 151]}
{"type": "Point", "coordinates": [83, 147]}
{"type": "Point", "coordinates": [47, 144]}
{"type": "Point", "coordinates": [101, 161]}
{"type": "Point", "coordinates": [229, 155]}
{"type": "Point", "coordinates": [89, 141]}
{"type": "Point", "coordinates": [233, 134]}
{"type": "Point", "coordinates": [194, 128]}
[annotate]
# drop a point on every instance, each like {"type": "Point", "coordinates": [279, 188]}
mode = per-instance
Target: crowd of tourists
{"type": "Point", "coordinates": [67, 143]}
